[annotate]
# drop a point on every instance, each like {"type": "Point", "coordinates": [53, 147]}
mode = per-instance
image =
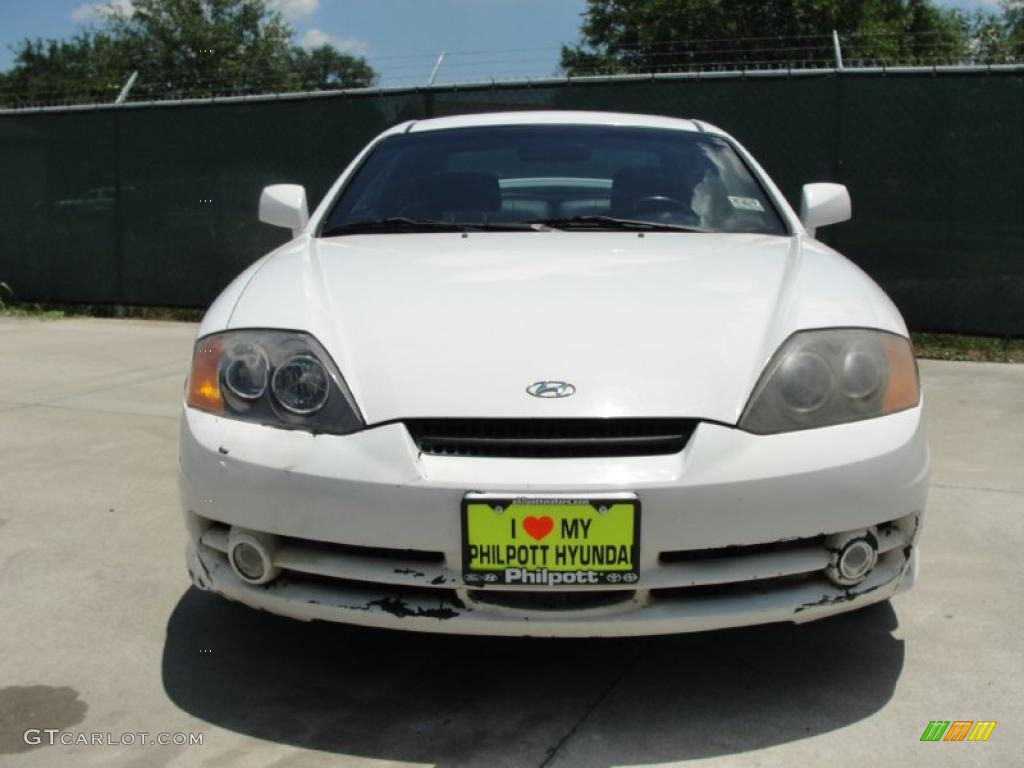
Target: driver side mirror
{"type": "Point", "coordinates": [823, 204]}
{"type": "Point", "coordinates": [284, 205]}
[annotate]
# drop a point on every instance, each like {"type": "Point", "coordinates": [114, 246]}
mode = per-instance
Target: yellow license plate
{"type": "Point", "coordinates": [550, 542]}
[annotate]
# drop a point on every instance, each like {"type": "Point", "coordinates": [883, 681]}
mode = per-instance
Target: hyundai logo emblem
{"type": "Point", "coordinates": [551, 389]}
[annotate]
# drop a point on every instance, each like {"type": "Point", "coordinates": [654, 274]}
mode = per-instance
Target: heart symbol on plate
{"type": "Point", "coordinates": [538, 527]}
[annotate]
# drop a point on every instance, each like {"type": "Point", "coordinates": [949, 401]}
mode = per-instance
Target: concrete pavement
{"type": "Point", "coordinates": [100, 631]}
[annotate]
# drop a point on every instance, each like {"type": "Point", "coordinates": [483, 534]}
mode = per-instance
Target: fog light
{"type": "Point", "coordinates": [852, 556]}
{"type": "Point", "coordinates": [248, 561]}
{"type": "Point", "coordinates": [252, 556]}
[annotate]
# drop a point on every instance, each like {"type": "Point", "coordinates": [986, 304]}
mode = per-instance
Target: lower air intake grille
{"type": "Point", "coordinates": [550, 438]}
{"type": "Point", "coordinates": [552, 601]}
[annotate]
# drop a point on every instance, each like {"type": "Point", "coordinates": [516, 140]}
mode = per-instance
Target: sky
{"type": "Point", "coordinates": [402, 39]}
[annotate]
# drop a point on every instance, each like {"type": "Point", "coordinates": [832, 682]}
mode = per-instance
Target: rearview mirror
{"type": "Point", "coordinates": [284, 205]}
{"type": "Point", "coordinates": [823, 204]}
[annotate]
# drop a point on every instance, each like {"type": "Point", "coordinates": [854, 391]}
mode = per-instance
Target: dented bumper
{"type": "Point", "coordinates": [734, 526]}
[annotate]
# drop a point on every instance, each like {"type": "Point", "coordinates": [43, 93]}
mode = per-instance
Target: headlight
{"type": "Point", "coordinates": [246, 369]}
{"type": "Point", "coordinates": [301, 384]}
{"type": "Point", "coordinates": [820, 378]}
{"type": "Point", "coordinates": [279, 378]}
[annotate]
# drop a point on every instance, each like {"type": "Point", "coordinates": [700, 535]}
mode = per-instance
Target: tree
{"type": "Point", "coordinates": [324, 67]}
{"type": "Point", "coordinates": [180, 48]}
{"type": "Point", "coordinates": [1013, 13]}
{"type": "Point", "coordinates": [89, 66]}
{"type": "Point", "coordinates": [990, 37]}
{"type": "Point", "coordinates": [665, 35]}
{"type": "Point", "coordinates": [205, 46]}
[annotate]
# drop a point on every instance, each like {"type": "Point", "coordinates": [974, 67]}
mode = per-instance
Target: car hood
{"type": "Point", "coordinates": [452, 325]}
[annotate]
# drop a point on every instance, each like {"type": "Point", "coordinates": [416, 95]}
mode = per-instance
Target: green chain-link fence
{"type": "Point", "coordinates": [157, 204]}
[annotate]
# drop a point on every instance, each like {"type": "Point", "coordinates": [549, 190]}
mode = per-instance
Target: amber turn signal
{"type": "Point", "coordinates": [204, 379]}
{"type": "Point", "coordinates": [904, 388]}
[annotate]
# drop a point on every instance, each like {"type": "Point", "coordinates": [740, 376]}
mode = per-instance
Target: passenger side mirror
{"type": "Point", "coordinates": [823, 204]}
{"type": "Point", "coordinates": [284, 205]}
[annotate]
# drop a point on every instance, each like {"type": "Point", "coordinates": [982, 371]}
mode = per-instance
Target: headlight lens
{"type": "Point", "coordinates": [301, 384]}
{"type": "Point", "coordinates": [821, 378]}
{"type": "Point", "coordinates": [279, 378]}
{"type": "Point", "coordinates": [246, 369]}
{"type": "Point", "coordinates": [862, 371]}
{"type": "Point", "coordinates": [805, 382]}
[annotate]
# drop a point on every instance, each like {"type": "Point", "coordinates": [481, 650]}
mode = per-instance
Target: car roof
{"type": "Point", "coordinates": [564, 117]}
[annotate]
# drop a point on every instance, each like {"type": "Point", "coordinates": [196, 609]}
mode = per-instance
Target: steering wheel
{"type": "Point", "coordinates": [659, 203]}
{"type": "Point", "coordinates": [669, 210]}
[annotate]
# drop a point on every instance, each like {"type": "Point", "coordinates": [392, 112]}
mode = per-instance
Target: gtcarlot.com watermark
{"type": "Point", "coordinates": [53, 736]}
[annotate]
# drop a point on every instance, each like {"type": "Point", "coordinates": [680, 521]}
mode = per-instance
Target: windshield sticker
{"type": "Point", "coordinates": [746, 203]}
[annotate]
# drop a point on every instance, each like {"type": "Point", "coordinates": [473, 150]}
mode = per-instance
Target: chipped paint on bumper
{"type": "Point", "coordinates": [640, 617]}
{"type": "Point", "coordinates": [727, 488]}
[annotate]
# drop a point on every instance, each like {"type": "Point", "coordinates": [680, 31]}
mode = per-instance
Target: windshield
{"type": "Point", "coordinates": [524, 178]}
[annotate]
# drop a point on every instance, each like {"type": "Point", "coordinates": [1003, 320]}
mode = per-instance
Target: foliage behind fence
{"type": "Point", "coordinates": [157, 204]}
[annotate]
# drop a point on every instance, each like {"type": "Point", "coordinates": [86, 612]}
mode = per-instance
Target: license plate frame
{"type": "Point", "coordinates": [589, 565]}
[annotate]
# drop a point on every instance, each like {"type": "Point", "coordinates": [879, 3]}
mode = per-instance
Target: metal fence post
{"type": "Point", "coordinates": [437, 68]}
{"type": "Point", "coordinates": [119, 256]}
{"type": "Point", "coordinates": [127, 87]}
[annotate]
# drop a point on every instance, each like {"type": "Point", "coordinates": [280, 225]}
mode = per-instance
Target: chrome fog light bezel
{"type": "Point", "coordinates": [842, 570]}
{"type": "Point", "coordinates": [262, 545]}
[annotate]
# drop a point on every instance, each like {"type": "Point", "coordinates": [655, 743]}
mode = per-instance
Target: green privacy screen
{"type": "Point", "coordinates": [157, 204]}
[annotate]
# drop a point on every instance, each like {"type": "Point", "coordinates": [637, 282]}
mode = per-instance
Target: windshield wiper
{"type": "Point", "coordinates": [403, 224]}
{"type": "Point", "coordinates": [611, 222]}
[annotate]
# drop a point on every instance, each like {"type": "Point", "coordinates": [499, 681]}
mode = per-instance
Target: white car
{"type": "Point", "coordinates": [554, 374]}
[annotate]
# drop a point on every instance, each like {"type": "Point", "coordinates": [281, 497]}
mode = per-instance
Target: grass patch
{"type": "Point", "coordinates": [980, 349]}
{"type": "Point", "coordinates": [55, 311]}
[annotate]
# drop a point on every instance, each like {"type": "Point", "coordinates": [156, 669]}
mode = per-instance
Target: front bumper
{"type": "Point", "coordinates": [733, 526]}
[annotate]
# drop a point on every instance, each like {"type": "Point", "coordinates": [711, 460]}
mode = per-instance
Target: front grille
{"type": "Point", "coordinates": [734, 589]}
{"type": "Point", "coordinates": [217, 536]}
{"type": "Point", "coordinates": [415, 556]}
{"type": "Point", "coordinates": [552, 601]}
{"type": "Point", "coordinates": [550, 438]}
{"type": "Point", "coordinates": [743, 550]}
